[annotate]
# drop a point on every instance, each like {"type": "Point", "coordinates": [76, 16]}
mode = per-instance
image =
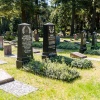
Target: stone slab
{"type": "Point", "coordinates": [12, 55]}
{"type": "Point", "coordinates": [17, 88]}
{"type": "Point", "coordinates": [2, 62]}
{"type": "Point", "coordinates": [5, 77]}
{"type": "Point", "coordinates": [77, 55]}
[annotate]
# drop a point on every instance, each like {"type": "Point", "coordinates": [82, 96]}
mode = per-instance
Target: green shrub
{"type": "Point", "coordinates": [52, 70]}
{"type": "Point", "coordinates": [37, 44]}
{"type": "Point", "coordinates": [62, 59]}
{"type": "Point", "coordinates": [68, 45]}
{"type": "Point", "coordinates": [81, 63]}
{"type": "Point", "coordinates": [61, 72]}
{"type": "Point", "coordinates": [9, 36]}
{"type": "Point", "coordinates": [1, 48]}
{"type": "Point", "coordinates": [92, 52]}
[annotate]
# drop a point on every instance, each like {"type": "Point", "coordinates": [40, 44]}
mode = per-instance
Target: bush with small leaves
{"type": "Point", "coordinates": [62, 59]}
{"type": "Point", "coordinates": [37, 44]}
{"type": "Point", "coordinates": [82, 63]}
{"type": "Point", "coordinates": [52, 70]}
{"type": "Point", "coordinates": [92, 52]}
{"type": "Point", "coordinates": [68, 45]}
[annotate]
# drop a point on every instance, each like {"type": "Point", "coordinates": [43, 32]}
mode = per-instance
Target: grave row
{"type": "Point", "coordinates": [25, 52]}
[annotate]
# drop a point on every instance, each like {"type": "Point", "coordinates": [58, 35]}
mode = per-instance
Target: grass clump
{"type": "Point", "coordinates": [37, 44]}
{"type": "Point", "coordinates": [68, 45]}
{"type": "Point", "coordinates": [52, 70]}
{"type": "Point", "coordinates": [82, 63]}
{"type": "Point", "coordinates": [92, 52]}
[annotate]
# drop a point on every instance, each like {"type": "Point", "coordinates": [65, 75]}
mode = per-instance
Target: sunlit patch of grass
{"type": "Point", "coordinates": [85, 88]}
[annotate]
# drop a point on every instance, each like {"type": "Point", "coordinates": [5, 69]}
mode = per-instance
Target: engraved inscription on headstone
{"type": "Point", "coordinates": [49, 40]}
{"type": "Point", "coordinates": [26, 39]}
{"type": "Point", "coordinates": [24, 52]}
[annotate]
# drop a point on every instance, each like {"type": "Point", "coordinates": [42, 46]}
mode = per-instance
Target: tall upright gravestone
{"type": "Point", "coordinates": [24, 51]}
{"type": "Point", "coordinates": [83, 42]}
{"type": "Point", "coordinates": [49, 40]}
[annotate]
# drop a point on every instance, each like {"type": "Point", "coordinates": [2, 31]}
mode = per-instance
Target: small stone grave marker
{"type": "Point", "coordinates": [17, 88]}
{"type": "Point", "coordinates": [94, 40]}
{"type": "Point", "coordinates": [1, 42]}
{"type": "Point", "coordinates": [7, 50]}
{"type": "Point", "coordinates": [83, 42]}
{"type": "Point", "coordinates": [77, 55]}
{"type": "Point", "coordinates": [5, 77]}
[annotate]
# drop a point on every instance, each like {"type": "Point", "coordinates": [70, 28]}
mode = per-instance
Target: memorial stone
{"type": "Point", "coordinates": [49, 40]}
{"type": "Point", "coordinates": [83, 42]}
{"type": "Point", "coordinates": [1, 42]}
{"type": "Point", "coordinates": [57, 40]}
{"type": "Point", "coordinates": [94, 40]}
{"type": "Point", "coordinates": [24, 51]}
{"type": "Point", "coordinates": [36, 35]}
{"type": "Point", "coordinates": [7, 50]}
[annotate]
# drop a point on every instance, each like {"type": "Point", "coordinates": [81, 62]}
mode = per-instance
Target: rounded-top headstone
{"type": "Point", "coordinates": [49, 24]}
{"type": "Point", "coordinates": [24, 24]}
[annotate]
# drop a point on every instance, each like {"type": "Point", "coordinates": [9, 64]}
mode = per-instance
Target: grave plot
{"type": "Point", "coordinates": [17, 88]}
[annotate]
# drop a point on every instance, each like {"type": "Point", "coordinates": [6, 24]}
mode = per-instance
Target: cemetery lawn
{"type": "Point", "coordinates": [87, 87]}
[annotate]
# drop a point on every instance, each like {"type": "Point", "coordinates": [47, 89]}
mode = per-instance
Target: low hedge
{"type": "Point", "coordinates": [82, 63]}
{"type": "Point", "coordinates": [62, 59]}
{"type": "Point", "coordinates": [52, 70]}
{"type": "Point", "coordinates": [92, 52]}
{"type": "Point", "coordinates": [68, 46]}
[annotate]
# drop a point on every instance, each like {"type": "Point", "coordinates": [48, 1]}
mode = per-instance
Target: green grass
{"type": "Point", "coordinates": [87, 87]}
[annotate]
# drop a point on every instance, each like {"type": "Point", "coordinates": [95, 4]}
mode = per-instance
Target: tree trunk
{"type": "Point", "coordinates": [93, 27]}
{"type": "Point", "coordinates": [73, 17]}
{"type": "Point", "coordinates": [23, 15]}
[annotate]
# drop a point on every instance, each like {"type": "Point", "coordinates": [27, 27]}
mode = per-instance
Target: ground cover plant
{"type": "Point", "coordinates": [81, 63]}
{"type": "Point", "coordinates": [93, 52]}
{"type": "Point", "coordinates": [78, 63]}
{"type": "Point", "coordinates": [52, 70]}
{"type": "Point", "coordinates": [68, 45]}
{"type": "Point", "coordinates": [62, 45]}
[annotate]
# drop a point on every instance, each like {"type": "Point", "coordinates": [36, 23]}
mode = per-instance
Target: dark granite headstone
{"type": "Point", "coordinates": [7, 50]}
{"type": "Point", "coordinates": [83, 42]}
{"type": "Point", "coordinates": [24, 51]}
{"type": "Point", "coordinates": [94, 40]}
{"type": "Point", "coordinates": [49, 40]}
{"type": "Point", "coordinates": [1, 42]}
